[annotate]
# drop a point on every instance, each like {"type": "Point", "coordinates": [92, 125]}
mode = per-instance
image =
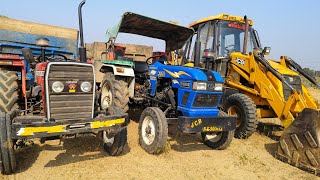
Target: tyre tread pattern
{"type": "Point", "coordinates": [8, 90]}
{"type": "Point", "coordinates": [250, 112]}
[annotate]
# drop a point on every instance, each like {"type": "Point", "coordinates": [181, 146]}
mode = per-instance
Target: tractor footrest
{"type": "Point", "coordinates": [206, 124]}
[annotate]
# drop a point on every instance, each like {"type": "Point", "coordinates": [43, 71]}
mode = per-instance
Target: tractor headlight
{"type": "Point", "coordinates": [201, 86]}
{"type": "Point", "coordinates": [218, 86]}
{"type": "Point", "coordinates": [86, 87]}
{"type": "Point", "coordinates": [57, 86]}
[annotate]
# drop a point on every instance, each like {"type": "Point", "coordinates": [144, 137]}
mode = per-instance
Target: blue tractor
{"type": "Point", "coordinates": [183, 96]}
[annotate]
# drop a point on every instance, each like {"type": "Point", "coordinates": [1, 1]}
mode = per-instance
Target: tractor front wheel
{"type": "Point", "coordinates": [244, 108]}
{"type": "Point", "coordinates": [114, 144]}
{"type": "Point", "coordinates": [153, 130]}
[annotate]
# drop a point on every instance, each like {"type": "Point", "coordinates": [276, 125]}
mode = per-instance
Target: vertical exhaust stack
{"type": "Point", "coordinates": [82, 49]}
{"type": "Point", "coordinates": [245, 41]}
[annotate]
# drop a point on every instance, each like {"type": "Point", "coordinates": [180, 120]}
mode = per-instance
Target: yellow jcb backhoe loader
{"type": "Point", "coordinates": [258, 88]}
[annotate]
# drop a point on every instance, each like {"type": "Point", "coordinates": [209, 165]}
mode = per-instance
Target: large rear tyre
{"type": "Point", "coordinates": [114, 144]}
{"type": "Point", "coordinates": [8, 90]}
{"type": "Point", "coordinates": [153, 130]}
{"type": "Point", "coordinates": [244, 108]}
{"type": "Point", "coordinates": [114, 93]}
{"type": "Point", "coordinates": [7, 156]}
{"type": "Point", "coordinates": [217, 140]}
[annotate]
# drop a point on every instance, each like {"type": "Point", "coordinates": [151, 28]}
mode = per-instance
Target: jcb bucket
{"type": "Point", "coordinates": [299, 143]}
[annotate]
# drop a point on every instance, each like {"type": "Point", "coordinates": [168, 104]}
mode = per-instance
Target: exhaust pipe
{"type": "Point", "coordinates": [245, 41]}
{"type": "Point", "coordinates": [82, 49]}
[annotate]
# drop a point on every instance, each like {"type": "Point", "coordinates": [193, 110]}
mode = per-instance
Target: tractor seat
{"type": "Point", "coordinates": [140, 67]}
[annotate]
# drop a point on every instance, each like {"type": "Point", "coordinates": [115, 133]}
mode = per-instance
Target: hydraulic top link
{"type": "Point", "coordinates": [298, 68]}
{"type": "Point", "coordinates": [265, 63]}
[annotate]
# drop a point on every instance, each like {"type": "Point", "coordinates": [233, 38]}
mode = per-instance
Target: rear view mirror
{"type": "Point", "coordinates": [27, 54]}
{"type": "Point", "coordinates": [266, 51]}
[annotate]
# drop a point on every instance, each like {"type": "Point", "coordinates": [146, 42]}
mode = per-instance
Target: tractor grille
{"type": "Point", "coordinates": [72, 103]}
{"type": "Point", "coordinates": [295, 82]}
{"type": "Point", "coordinates": [206, 100]}
{"type": "Point", "coordinates": [185, 98]}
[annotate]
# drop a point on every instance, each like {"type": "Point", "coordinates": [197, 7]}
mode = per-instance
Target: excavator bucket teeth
{"type": "Point", "coordinates": [299, 144]}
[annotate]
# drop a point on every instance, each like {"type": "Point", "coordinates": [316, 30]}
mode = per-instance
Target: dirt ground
{"type": "Point", "coordinates": [188, 158]}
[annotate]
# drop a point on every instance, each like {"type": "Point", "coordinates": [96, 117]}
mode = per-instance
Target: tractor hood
{"type": "Point", "coordinates": [184, 72]}
{"type": "Point", "coordinates": [174, 35]}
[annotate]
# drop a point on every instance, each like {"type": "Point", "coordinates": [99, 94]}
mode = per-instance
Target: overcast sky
{"type": "Point", "coordinates": [290, 28]}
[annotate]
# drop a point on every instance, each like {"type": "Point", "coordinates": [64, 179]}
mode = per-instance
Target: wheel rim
{"type": "Point", "coordinates": [106, 140]}
{"type": "Point", "coordinates": [148, 130]}
{"type": "Point", "coordinates": [235, 111]}
{"type": "Point", "coordinates": [213, 137]}
{"type": "Point", "coordinates": [106, 97]}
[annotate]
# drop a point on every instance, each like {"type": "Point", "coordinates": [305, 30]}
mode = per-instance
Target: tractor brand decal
{"type": "Point", "coordinates": [177, 74]}
{"type": "Point", "coordinates": [185, 84]}
{"type": "Point", "coordinates": [195, 123]}
{"type": "Point", "coordinates": [72, 88]}
{"type": "Point", "coordinates": [240, 61]}
{"type": "Point", "coordinates": [73, 81]}
{"type": "Point", "coordinates": [211, 129]}
{"type": "Point", "coordinates": [237, 26]}
{"type": "Point", "coordinates": [175, 81]}
{"type": "Point", "coordinates": [153, 72]}
{"type": "Point", "coordinates": [161, 74]}
{"type": "Point", "coordinates": [39, 73]}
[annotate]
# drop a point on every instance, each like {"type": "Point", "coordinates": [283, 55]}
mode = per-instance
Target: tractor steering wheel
{"type": "Point", "coordinates": [53, 58]}
{"type": "Point", "coordinates": [152, 57]}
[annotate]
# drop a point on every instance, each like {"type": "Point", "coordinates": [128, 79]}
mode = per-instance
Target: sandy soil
{"type": "Point", "coordinates": [188, 158]}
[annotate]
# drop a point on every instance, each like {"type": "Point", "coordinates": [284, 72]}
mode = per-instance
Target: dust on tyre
{"type": "Point", "coordinates": [244, 108]}
{"type": "Point", "coordinates": [153, 130]}
{"type": "Point", "coordinates": [114, 144]}
{"type": "Point", "coordinates": [114, 93]}
{"type": "Point", "coordinates": [8, 90]}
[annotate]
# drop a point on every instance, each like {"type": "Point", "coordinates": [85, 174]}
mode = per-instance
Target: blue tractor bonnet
{"type": "Point", "coordinates": [184, 72]}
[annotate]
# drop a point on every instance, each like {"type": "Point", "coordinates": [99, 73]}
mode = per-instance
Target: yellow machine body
{"type": "Point", "coordinates": [295, 107]}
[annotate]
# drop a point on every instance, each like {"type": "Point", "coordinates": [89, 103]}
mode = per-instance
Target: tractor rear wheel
{"type": "Point", "coordinates": [153, 130]}
{"type": "Point", "coordinates": [114, 144]}
{"type": "Point", "coordinates": [114, 93]}
{"type": "Point", "coordinates": [8, 90]}
{"type": "Point", "coordinates": [7, 156]}
{"type": "Point", "coordinates": [244, 108]}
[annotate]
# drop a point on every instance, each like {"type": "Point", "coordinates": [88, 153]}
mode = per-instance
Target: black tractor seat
{"type": "Point", "coordinates": [140, 67]}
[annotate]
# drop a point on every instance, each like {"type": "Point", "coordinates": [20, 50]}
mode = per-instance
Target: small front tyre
{"type": "Point", "coordinates": [217, 140]}
{"type": "Point", "coordinates": [153, 130]}
{"type": "Point", "coordinates": [114, 144]}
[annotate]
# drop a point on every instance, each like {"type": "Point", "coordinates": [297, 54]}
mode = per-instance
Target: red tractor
{"type": "Point", "coordinates": [62, 101]}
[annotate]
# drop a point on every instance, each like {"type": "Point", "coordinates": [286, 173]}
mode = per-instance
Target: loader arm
{"type": "Point", "coordinates": [258, 77]}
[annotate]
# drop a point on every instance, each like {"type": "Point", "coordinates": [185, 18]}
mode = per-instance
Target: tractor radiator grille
{"type": "Point", "coordinates": [295, 82]}
{"type": "Point", "coordinates": [72, 103]}
{"type": "Point", "coordinates": [206, 100]}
